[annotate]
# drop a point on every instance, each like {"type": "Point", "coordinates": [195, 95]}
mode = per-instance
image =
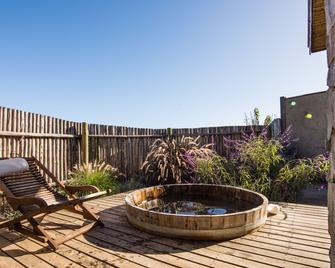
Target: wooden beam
{"type": "Point", "coordinates": [37, 135]}
{"type": "Point", "coordinates": [71, 136]}
{"type": "Point", "coordinates": [124, 136]}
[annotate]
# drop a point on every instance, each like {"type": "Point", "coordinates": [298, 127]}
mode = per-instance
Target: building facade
{"type": "Point", "coordinates": [306, 114]}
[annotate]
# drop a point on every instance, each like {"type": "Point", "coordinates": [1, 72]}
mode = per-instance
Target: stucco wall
{"type": "Point", "coordinates": [330, 22]}
{"type": "Point", "coordinates": [312, 132]}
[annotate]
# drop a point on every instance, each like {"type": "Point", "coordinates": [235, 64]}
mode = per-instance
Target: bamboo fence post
{"type": "Point", "coordinates": [84, 143]}
{"type": "Point", "coordinates": [169, 132]}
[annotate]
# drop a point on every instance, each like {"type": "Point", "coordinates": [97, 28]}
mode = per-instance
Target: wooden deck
{"type": "Point", "coordinates": [297, 237]}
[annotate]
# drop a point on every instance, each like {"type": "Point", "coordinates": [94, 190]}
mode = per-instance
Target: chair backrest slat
{"type": "Point", "coordinates": [23, 182]}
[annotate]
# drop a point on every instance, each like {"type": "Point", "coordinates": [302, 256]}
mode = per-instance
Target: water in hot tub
{"type": "Point", "coordinates": [196, 206]}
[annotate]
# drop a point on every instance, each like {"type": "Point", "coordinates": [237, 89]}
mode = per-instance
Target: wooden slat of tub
{"type": "Point", "coordinates": [276, 227]}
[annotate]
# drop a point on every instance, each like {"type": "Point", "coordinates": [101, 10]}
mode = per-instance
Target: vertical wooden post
{"type": "Point", "coordinates": [283, 114]}
{"type": "Point", "coordinates": [331, 177]}
{"type": "Point", "coordinates": [169, 132]}
{"type": "Point", "coordinates": [330, 28]}
{"type": "Point", "coordinates": [84, 143]}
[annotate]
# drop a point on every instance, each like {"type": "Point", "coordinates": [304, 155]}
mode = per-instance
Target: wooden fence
{"type": "Point", "coordinates": [58, 143]}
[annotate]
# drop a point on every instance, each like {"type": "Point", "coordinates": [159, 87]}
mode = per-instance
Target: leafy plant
{"type": "Point", "coordinates": [6, 211]}
{"type": "Point", "coordinates": [321, 167]}
{"type": "Point", "coordinates": [253, 118]}
{"type": "Point", "coordinates": [267, 120]}
{"type": "Point", "coordinates": [259, 160]}
{"type": "Point", "coordinates": [291, 178]}
{"type": "Point", "coordinates": [213, 171]}
{"type": "Point", "coordinates": [173, 161]}
{"type": "Point", "coordinates": [99, 174]}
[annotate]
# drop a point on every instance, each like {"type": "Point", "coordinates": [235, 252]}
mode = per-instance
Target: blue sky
{"type": "Point", "coordinates": [171, 63]}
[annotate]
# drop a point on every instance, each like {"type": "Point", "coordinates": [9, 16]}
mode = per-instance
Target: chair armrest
{"type": "Point", "coordinates": [15, 202]}
{"type": "Point", "coordinates": [82, 188]}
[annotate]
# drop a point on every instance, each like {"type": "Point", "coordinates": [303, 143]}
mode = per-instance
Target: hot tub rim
{"type": "Point", "coordinates": [258, 207]}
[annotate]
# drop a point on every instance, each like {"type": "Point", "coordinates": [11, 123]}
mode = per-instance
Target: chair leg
{"type": "Point", "coordinates": [15, 226]}
{"type": "Point", "coordinates": [35, 225]}
{"type": "Point", "coordinates": [38, 229]}
{"type": "Point", "coordinates": [27, 232]}
{"type": "Point", "coordinates": [40, 234]}
{"type": "Point", "coordinates": [75, 233]}
{"type": "Point", "coordinates": [89, 214]}
{"type": "Point", "coordinates": [51, 242]}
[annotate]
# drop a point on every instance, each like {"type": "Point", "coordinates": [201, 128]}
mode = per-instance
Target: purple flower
{"type": "Point", "coordinates": [322, 187]}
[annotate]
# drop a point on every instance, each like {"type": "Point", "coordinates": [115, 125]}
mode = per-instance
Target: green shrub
{"type": "Point", "coordinates": [213, 171]}
{"type": "Point", "coordinates": [291, 178]}
{"type": "Point", "coordinates": [99, 174]}
{"type": "Point", "coordinates": [259, 160]}
{"type": "Point", "coordinates": [321, 167]}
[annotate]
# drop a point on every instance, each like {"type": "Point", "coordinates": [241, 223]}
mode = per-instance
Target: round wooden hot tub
{"type": "Point", "coordinates": [139, 212]}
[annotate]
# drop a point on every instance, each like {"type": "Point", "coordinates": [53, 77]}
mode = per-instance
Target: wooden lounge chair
{"type": "Point", "coordinates": [29, 192]}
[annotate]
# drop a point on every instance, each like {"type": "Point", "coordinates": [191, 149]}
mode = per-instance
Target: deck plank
{"type": "Point", "coordinates": [296, 237]}
{"type": "Point", "coordinates": [128, 233]}
{"type": "Point", "coordinates": [37, 248]}
{"type": "Point", "coordinates": [21, 255]}
{"type": "Point", "coordinates": [6, 261]}
{"type": "Point", "coordinates": [155, 251]}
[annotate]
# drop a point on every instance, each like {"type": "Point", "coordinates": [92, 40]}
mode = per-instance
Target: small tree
{"type": "Point", "coordinates": [267, 120]}
{"type": "Point", "coordinates": [254, 118]}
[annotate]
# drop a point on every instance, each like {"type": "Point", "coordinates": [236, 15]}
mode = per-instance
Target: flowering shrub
{"type": "Point", "coordinates": [261, 164]}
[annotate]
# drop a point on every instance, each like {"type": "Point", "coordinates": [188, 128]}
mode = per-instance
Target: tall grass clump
{"type": "Point", "coordinates": [174, 161]}
{"type": "Point", "coordinates": [99, 174]}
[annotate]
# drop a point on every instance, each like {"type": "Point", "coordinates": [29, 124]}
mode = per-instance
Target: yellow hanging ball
{"type": "Point", "coordinates": [308, 116]}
